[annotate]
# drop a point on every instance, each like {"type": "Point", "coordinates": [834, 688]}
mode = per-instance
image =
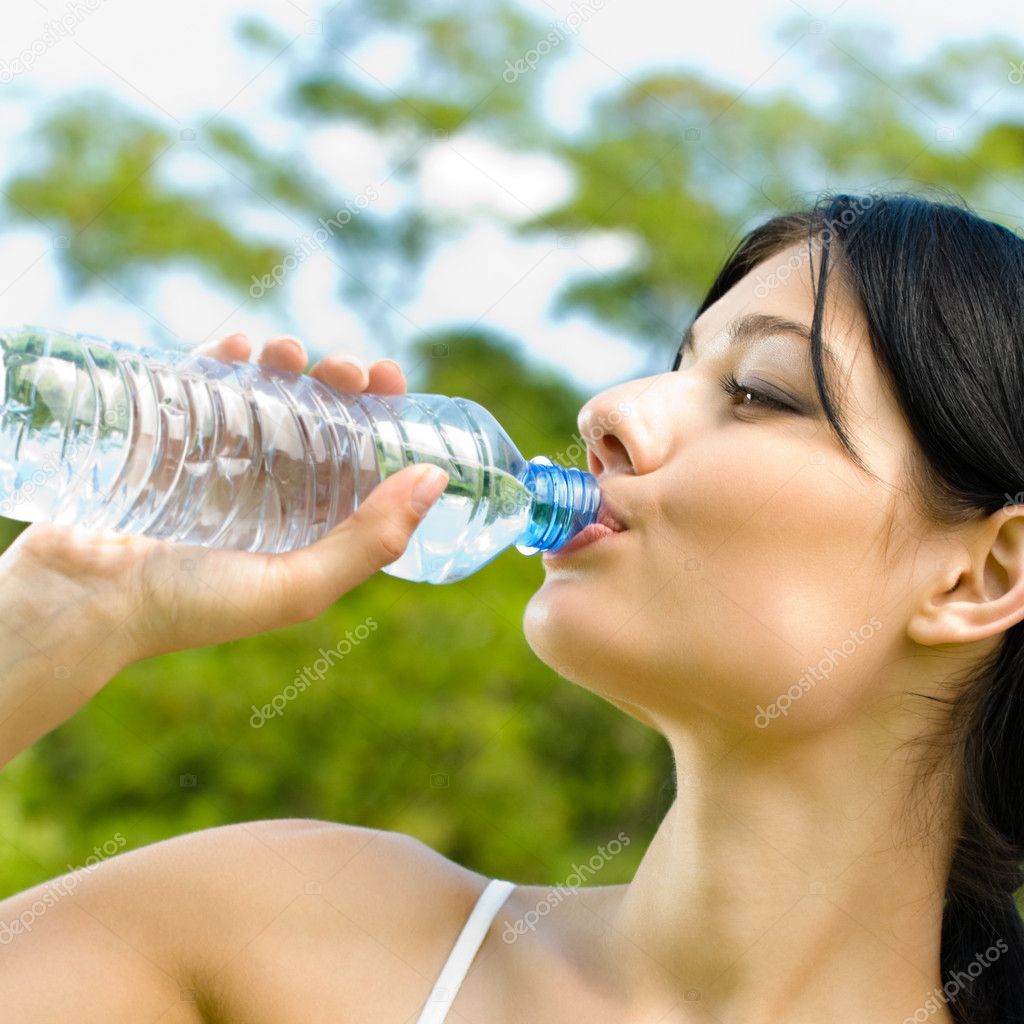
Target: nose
{"type": "Point", "coordinates": [620, 428]}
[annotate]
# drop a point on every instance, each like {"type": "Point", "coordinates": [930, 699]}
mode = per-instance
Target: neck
{"type": "Point", "coordinates": [788, 882]}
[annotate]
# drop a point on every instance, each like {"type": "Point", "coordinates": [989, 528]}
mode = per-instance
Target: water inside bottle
{"type": "Point", "coordinates": [99, 436]}
{"type": "Point", "coordinates": [460, 530]}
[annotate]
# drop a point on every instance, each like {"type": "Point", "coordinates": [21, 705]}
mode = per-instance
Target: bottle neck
{"type": "Point", "coordinates": [564, 502]}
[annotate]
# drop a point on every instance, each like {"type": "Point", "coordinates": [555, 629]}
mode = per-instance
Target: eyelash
{"type": "Point", "coordinates": [732, 387]}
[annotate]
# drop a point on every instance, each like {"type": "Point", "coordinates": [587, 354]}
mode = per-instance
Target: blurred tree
{"type": "Point", "coordinates": [92, 170]}
{"type": "Point", "coordinates": [684, 166]}
{"type": "Point", "coordinates": [92, 175]}
{"type": "Point", "coordinates": [442, 723]}
{"type": "Point", "coordinates": [453, 78]}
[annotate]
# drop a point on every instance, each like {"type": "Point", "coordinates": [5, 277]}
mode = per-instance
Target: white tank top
{"type": "Point", "coordinates": [449, 981]}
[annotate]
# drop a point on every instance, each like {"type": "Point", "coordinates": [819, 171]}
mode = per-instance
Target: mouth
{"type": "Point", "coordinates": [609, 522]}
{"type": "Point", "coordinates": [609, 514]}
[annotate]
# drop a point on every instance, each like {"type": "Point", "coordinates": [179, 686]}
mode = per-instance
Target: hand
{"type": "Point", "coordinates": [149, 596]}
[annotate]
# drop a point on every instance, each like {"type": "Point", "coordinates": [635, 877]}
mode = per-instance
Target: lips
{"type": "Point", "coordinates": [608, 514]}
{"type": "Point", "coordinates": [609, 521]}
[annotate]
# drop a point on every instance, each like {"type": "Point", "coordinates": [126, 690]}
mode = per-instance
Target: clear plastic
{"type": "Point", "coordinates": [234, 455]}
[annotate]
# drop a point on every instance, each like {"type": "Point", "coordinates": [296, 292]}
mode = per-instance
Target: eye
{"type": "Point", "coordinates": [732, 387]}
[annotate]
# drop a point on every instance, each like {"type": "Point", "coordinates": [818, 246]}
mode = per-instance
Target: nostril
{"type": "Point", "coordinates": [616, 445]}
{"type": "Point", "coordinates": [613, 453]}
{"type": "Point", "coordinates": [594, 463]}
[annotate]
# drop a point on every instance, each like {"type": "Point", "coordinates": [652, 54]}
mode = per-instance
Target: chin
{"type": "Point", "coordinates": [565, 634]}
{"type": "Point", "coordinates": [553, 629]}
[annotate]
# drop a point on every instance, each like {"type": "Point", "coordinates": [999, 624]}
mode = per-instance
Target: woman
{"type": "Point", "coordinates": [817, 600]}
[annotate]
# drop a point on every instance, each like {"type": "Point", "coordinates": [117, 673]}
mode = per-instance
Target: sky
{"type": "Point", "coordinates": [179, 63]}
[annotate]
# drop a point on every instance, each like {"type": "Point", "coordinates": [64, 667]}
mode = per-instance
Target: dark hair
{"type": "Point", "coordinates": [942, 291]}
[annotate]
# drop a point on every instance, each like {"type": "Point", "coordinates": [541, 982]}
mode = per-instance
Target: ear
{"type": "Point", "coordinates": [982, 594]}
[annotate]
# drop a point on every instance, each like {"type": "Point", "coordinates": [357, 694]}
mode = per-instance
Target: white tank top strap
{"type": "Point", "coordinates": [449, 981]}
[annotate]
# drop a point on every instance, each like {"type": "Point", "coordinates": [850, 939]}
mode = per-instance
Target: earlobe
{"type": "Point", "coordinates": [982, 595]}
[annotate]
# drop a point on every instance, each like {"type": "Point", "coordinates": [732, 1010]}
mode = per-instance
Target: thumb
{"type": "Point", "coordinates": [374, 535]}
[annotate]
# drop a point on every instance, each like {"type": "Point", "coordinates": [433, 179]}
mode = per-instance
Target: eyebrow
{"type": "Point", "coordinates": [756, 326]}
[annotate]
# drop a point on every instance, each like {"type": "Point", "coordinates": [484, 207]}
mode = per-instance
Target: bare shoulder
{"type": "Point", "coordinates": [311, 916]}
{"type": "Point", "coordinates": [269, 921]}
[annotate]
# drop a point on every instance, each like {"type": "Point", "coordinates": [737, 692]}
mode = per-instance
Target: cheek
{"type": "Point", "coordinates": [788, 556]}
{"type": "Point", "coordinates": [757, 579]}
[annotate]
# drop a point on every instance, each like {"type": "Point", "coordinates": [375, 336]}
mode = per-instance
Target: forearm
{"type": "Point", "coordinates": [55, 654]}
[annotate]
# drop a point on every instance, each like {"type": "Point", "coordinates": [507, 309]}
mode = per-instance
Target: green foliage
{"type": "Point", "coordinates": [442, 723]}
{"type": "Point", "coordinates": [682, 165]}
{"type": "Point", "coordinates": [453, 79]}
{"type": "Point", "coordinates": [95, 182]}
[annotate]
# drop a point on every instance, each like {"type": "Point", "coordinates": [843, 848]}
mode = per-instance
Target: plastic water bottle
{"type": "Point", "coordinates": [115, 437]}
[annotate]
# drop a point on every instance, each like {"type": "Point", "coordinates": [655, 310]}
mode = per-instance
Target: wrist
{"type": "Point", "coordinates": [58, 607]}
{"type": "Point", "coordinates": [55, 655]}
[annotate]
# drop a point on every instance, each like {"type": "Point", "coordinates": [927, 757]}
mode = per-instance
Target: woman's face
{"type": "Point", "coordinates": [753, 582]}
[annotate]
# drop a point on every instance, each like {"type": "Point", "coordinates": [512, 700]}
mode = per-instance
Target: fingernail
{"type": "Point", "coordinates": [212, 343]}
{"type": "Point", "coordinates": [354, 361]}
{"type": "Point", "coordinates": [295, 343]}
{"type": "Point", "coordinates": [431, 483]}
{"type": "Point", "coordinates": [390, 362]}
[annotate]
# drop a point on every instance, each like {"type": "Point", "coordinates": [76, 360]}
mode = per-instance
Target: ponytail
{"type": "Point", "coordinates": [982, 960]}
{"type": "Point", "coordinates": [982, 930]}
{"type": "Point", "coordinates": [943, 294]}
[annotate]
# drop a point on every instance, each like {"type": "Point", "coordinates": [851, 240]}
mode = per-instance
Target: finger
{"type": "Point", "coordinates": [387, 378]}
{"type": "Point", "coordinates": [284, 353]}
{"type": "Point", "coordinates": [232, 348]}
{"type": "Point", "coordinates": [375, 535]}
{"type": "Point", "coordinates": [343, 372]}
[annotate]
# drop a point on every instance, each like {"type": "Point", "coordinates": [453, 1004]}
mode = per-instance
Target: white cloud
{"type": "Point", "coordinates": [352, 159]}
{"type": "Point", "coordinates": [605, 251]}
{"type": "Point", "coordinates": [180, 63]}
{"type": "Point", "coordinates": [471, 174]}
{"type": "Point", "coordinates": [507, 285]}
